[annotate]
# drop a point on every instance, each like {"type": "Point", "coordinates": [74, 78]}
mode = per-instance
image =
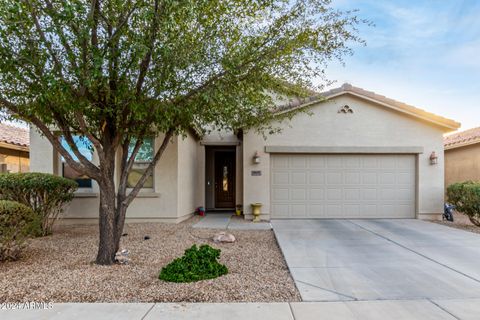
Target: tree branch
{"type": "Point", "coordinates": [145, 63]}
{"type": "Point", "coordinates": [149, 170]}
{"type": "Point", "coordinates": [90, 169]}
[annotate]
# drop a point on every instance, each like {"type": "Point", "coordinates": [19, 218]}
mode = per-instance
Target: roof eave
{"type": "Point", "coordinates": [12, 146]}
{"type": "Point", "coordinates": [451, 126]}
{"type": "Point", "coordinates": [461, 144]}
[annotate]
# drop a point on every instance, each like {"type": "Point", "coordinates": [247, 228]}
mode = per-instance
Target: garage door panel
{"type": "Point", "coordinates": [352, 178]}
{"type": "Point", "coordinates": [343, 186]}
{"type": "Point", "coordinates": [298, 194]}
{"type": "Point", "coordinates": [316, 178]}
{"type": "Point", "coordinates": [316, 194]}
{"type": "Point", "coordinates": [334, 194]}
{"type": "Point", "coordinates": [299, 177]}
{"type": "Point", "coordinates": [281, 194]}
{"type": "Point", "coordinates": [352, 194]}
{"type": "Point", "coordinates": [298, 162]}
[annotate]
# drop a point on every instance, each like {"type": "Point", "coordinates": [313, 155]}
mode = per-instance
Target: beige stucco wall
{"type": "Point", "coordinates": [462, 164]}
{"type": "Point", "coordinates": [187, 167]}
{"type": "Point", "coordinates": [160, 204]}
{"type": "Point", "coordinates": [369, 126]}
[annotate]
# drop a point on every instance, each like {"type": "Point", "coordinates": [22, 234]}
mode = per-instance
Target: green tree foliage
{"type": "Point", "coordinates": [195, 265]}
{"type": "Point", "coordinates": [46, 194]}
{"type": "Point", "coordinates": [466, 198]}
{"type": "Point", "coordinates": [116, 71]}
{"type": "Point", "coordinates": [15, 226]}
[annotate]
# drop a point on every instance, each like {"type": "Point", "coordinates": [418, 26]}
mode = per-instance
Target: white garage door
{"type": "Point", "coordinates": [342, 186]}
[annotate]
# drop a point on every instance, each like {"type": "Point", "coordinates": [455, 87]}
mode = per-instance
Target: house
{"type": "Point", "coordinates": [355, 154]}
{"type": "Point", "coordinates": [462, 156]}
{"type": "Point", "coordinates": [14, 149]}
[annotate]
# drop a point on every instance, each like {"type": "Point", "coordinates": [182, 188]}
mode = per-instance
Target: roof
{"type": "Point", "coordinates": [461, 139]}
{"type": "Point", "coordinates": [17, 138]}
{"type": "Point", "coordinates": [347, 88]}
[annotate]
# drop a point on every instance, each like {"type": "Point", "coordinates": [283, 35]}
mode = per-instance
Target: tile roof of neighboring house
{"type": "Point", "coordinates": [14, 136]}
{"type": "Point", "coordinates": [347, 88]}
{"type": "Point", "coordinates": [461, 139]}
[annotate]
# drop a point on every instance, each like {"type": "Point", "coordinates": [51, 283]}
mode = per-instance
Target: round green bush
{"type": "Point", "coordinates": [16, 222]}
{"type": "Point", "coordinates": [196, 264]}
{"type": "Point", "coordinates": [466, 198]}
{"type": "Point", "coordinates": [46, 194]}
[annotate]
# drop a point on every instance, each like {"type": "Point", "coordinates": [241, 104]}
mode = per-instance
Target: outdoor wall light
{"type": "Point", "coordinates": [433, 158]}
{"type": "Point", "coordinates": [256, 158]}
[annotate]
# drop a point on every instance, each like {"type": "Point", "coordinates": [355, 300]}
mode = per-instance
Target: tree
{"type": "Point", "coordinates": [117, 71]}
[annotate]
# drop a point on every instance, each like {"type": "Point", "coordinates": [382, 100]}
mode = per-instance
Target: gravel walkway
{"type": "Point", "coordinates": [460, 221]}
{"type": "Point", "coordinates": [60, 268]}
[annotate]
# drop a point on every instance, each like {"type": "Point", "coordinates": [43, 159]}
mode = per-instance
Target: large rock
{"type": "Point", "coordinates": [223, 237]}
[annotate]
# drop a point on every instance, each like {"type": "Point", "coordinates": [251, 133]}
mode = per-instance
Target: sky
{"type": "Point", "coordinates": [422, 52]}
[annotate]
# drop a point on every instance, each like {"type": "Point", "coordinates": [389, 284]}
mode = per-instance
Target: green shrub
{"type": "Point", "coordinates": [466, 197]}
{"type": "Point", "coordinates": [44, 193]}
{"type": "Point", "coordinates": [15, 226]}
{"type": "Point", "coordinates": [197, 264]}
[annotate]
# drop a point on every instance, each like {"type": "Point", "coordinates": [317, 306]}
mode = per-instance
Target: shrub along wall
{"type": "Point", "coordinates": [45, 194]}
{"type": "Point", "coordinates": [466, 197]}
{"type": "Point", "coordinates": [15, 226]}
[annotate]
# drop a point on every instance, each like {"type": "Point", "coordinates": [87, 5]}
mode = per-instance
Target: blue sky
{"type": "Point", "coordinates": [422, 52]}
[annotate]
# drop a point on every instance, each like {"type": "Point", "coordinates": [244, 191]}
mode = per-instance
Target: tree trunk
{"type": "Point", "coordinates": [120, 223]}
{"type": "Point", "coordinates": [108, 245]}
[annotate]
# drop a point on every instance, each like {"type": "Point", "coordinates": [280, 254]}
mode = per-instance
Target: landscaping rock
{"type": "Point", "coordinates": [224, 237]}
{"type": "Point", "coordinates": [122, 257]}
{"type": "Point", "coordinates": [59, 268]}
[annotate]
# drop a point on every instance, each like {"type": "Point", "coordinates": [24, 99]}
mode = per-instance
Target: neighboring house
{"type": "Point", "coordinates": [14, 146]}
{"type": "Point", "coordinates": [354, 155]}
{"type": "Point", "coordinates": [462, 156]}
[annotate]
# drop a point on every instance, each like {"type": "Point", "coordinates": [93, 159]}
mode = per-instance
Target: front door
{"type": "Point", "coordinates": [224, 179]}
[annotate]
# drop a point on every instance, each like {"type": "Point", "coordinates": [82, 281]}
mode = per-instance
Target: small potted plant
{"type": "Point", "coordinates": [238, 211]}
{"type": "Point", "coordinates": [256, 211]}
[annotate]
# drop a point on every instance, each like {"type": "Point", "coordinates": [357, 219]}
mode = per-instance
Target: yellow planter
{"type": "Point", "coordinates": [256, 211]}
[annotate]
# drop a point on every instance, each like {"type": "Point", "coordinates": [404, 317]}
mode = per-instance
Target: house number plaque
{"type": "Point", "coordinates": [256, 173]}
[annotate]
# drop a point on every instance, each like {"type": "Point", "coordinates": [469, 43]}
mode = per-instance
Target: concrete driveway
{"type": "Point", "coordinates": [365, 260]}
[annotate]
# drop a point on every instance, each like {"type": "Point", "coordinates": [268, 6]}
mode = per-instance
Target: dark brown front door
{"type": "Point", "coordinates": [224, 179]}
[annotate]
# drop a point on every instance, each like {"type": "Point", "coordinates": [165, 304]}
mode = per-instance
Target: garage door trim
{"type": "Point", "coordinates": [351, 150]}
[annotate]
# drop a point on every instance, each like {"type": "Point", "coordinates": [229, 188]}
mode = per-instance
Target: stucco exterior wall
{"type": "Point", "coordinates": [160, 204]}
{"type": "Point", "coordinates": [462, 164]}
{"type": "Point", "coordinates": [187, 167]}
{"type": "Point", "coordinates": [369, 125]}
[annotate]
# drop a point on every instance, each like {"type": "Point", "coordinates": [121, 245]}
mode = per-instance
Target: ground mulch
{"type": "Point", "coordinates": [60, 268]}
{"type": "Point", "coordinates": [460, 221]}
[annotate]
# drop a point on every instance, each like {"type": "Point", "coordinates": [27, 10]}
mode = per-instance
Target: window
{"type": "Point", "coordinates": [142, 160]}
{"type": "Point", "coordinates": [85, 147]}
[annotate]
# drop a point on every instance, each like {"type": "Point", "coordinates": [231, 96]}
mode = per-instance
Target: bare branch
{"type": "Point", "coordinates": [84, 130]}
{"type": "Point", "coordinates": [149, 170]}
{"type": "Point", "coordinates": [87, 168]}
{"type": "Point", "coordinates": [145, 63]}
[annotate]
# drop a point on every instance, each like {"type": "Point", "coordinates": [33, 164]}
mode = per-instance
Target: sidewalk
{"type": "Point", "coordinates": [349, 310]}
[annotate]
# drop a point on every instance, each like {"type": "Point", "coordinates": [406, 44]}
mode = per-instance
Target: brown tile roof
{"type": "Point", "coordinates": [463, 138]}
{"type": "Point", "coordinates": [347, 88]}
{"type": "Point", "coordinates": [14, 135]}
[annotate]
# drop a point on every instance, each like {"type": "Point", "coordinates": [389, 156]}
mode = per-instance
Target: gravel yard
{"type": "Point", "coordinates": [60, 268]}
{"type": "Point", "coordinates": [460, 221]}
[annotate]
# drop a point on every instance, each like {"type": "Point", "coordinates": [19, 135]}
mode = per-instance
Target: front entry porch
{"type": "Point", "coordinates": [228, 221]}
